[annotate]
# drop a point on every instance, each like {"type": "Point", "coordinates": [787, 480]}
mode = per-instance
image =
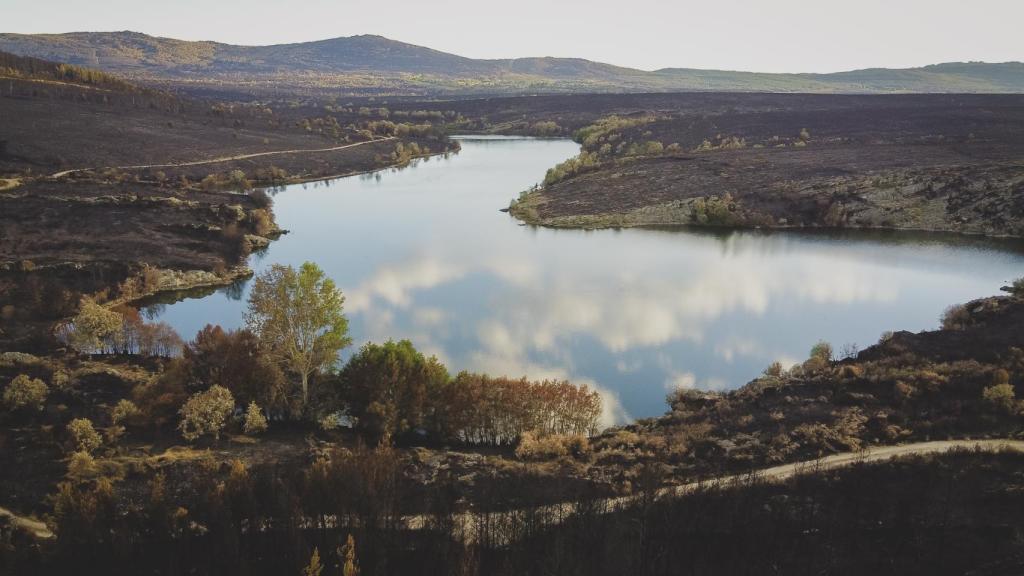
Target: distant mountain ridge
{"type": "Point", "coordinates": [374, 63]}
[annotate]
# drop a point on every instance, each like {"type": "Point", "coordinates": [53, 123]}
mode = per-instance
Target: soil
{"type": "Point", "coordinates": [952, 163]}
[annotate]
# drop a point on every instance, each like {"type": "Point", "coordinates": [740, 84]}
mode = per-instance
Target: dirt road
{"type": "Point", "coordinates": [557, 512]}
{"type": "Point", "coordinates": [225, 158]}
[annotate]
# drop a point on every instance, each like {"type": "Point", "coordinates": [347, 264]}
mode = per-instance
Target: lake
{"type": "Point", "coordinates": [423, 253]}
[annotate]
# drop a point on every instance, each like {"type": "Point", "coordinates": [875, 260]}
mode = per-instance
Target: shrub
{"type": "Point", "coordinates": [822, 350]}
{"type": "Point", "coordinates": [82, 467]}
{"type": "Point", "coordinates": [774, 370]}
{"type": "Point", "coordinates": [1001, 397]}
{"type": "Point", "coordinates": [261, 199]}
{"type": "Point", "coordinates": [571, 167]}
{"type": "Point", "coordinates": [238, 179]}
{"type": "Point", "coordinates": [820, 358]}
{"type": "Point", "coordinates": [715, 211]}
{"type": "Point", "coordinates": [206, 413]}
{"type": "Point", "coordinates": [1017, 288]}
{"type": "Point", "coordinates": [84, 437]}
{"type": "Point", "coordinates": [25, 392]}
{"type": "Point", "coordinates": [261, 222]}
{"type": "Point", "coordinates": [255, 421]}
{"type": "Point", "coordinates": [534, 447]}
{"type": "Point", "coordinates": [124, 410]}
{"type": "Point", "coordinates": [956, 317]}
{"type": "Point", "coordinates": [546, 128]}
{"type": "Point", "coordinates": [329, 422]}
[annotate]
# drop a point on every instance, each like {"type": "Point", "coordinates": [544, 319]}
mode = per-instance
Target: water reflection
{"type": "Point", "coordinates": [423, 253]}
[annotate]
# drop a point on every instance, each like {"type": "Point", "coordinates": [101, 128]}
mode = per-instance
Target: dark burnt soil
{"type": "Point", "coordinates": [45, 225]}
{"type": "Point", "coordinates": [932, 162]}
{"type": "Point", "coordinates": [515, 115]}
{"type": "Point", "coordinates": [49, 128]}
{"type": "Point", "coordinates": [114, 242]}
{"type": "Point", "coordinates": [908, 387]}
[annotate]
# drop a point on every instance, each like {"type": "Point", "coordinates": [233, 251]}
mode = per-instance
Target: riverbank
{"type": "Point", "coordinates": [949, 164]}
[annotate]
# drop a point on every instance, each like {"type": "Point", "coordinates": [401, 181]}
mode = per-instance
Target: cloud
{"type": "Point", "coordinates": [738, 347]}
{"type": "Point", "coordinates": [395, 284]}
{"type": "Point", "coordinates": [425, 317]}
{"type": "Point", "coordinates": [680, 381]}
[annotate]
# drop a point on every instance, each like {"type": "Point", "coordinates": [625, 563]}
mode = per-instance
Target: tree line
{"type": "Point", "coordinates": [282, 366]}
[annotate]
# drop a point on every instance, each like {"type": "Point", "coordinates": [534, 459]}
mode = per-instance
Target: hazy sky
{"type": "Point", "coordinates": [759, 35]}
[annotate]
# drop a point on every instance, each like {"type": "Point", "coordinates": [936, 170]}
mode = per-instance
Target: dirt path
{"type": "Point", "coordinates": [226, 158]}
{"type": "Point", "coordinates": [556, 513]}
{"type": "Point", "coordinates": [37, 528]}
{"type": "Point", "coordinates": [873, 454]}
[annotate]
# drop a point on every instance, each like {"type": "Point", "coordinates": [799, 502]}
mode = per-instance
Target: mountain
{"type": "Point", "coordinates": [361, 64]}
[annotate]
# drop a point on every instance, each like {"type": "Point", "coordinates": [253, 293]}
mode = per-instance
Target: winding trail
{"type": "Point", "coordinates": [467, 522]}
{"type": "Point", "coordinates": [554, 514]}
{"type": "Point", "coordinates": [225, 158]}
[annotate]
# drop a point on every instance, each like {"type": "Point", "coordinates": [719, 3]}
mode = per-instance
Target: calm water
{"type": "Point", "coordinates": [423, 253]}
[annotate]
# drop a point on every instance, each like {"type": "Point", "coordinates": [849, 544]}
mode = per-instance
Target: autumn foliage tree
{"type": "Point", "coordinates": [233, 359]}
{"type": "Point", "coordinates": [479, 409]}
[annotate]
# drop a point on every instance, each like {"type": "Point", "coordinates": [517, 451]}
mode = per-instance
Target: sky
{"type": "Point", "coordinates": [753, 35]}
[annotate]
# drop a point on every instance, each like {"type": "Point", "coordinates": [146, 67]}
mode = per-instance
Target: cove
{"type": "Point", "coordinates": [423, 253]}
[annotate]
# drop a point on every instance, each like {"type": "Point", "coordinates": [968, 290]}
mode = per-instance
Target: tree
{"type": "Point", "coordinates": [820, 358]}
{"type": "Point", "coordinates": [822, 351]}
{"type": "Point", "coordinates": [161, 398]}
{"type": "Point", "coordinates": [389, 387]}
{"type": "Point", "coordinates": [233, 360]}
{"type": "Point", "coordinates": [298, 319]}
{"type": "Point", "coordinates": [206, 413]}
{"type": "Point", "coordinates": [25, 392]}
{"type": "Point", "coordinates": [84, 437]}
{"type": "Point", "coordinates": [124, 410]}
{"type": "Point", "coordinates": [314, 568]}
{"type": "Point", "coordinates": [349, 565]}
{"type": "Point", "coordinates": [255, 421]}
{"type": "Point", "coordinates": [1001, 396]}
{"type": "Point", "coordinates": [93, 325]}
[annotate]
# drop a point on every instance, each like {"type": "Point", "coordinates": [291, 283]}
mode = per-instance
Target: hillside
{"type": "Point", "coordinates": [912, 162]}
{"type": "Point", "coordinates": [373, 64]}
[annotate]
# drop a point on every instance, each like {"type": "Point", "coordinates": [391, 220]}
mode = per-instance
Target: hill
{"type": "Point", "coordinates": [374, 64]}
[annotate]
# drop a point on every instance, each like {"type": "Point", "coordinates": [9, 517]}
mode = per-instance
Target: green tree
{"type": "Point", "coordinates": [389, 387]}
{"type": "Point", "coordinates": [298, 318]}
{"type": "Point", "coordinates": [25, 392]}
{"type": "Point", "coordinates": [206, 413]}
